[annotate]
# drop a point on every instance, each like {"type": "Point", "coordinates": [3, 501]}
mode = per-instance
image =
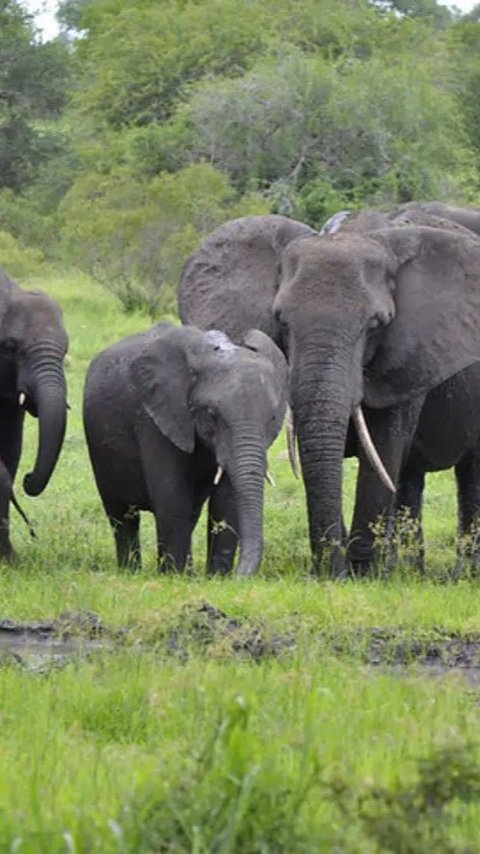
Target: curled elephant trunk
{"type": "Point", "coordinates": [51, 400]}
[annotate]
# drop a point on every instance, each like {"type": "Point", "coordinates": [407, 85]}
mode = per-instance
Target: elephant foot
{"type": "Point", "coordinates": [331, 565]}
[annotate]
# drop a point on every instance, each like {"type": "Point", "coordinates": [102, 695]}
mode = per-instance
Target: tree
{"type": "Point", "coordinates": [33, 79]}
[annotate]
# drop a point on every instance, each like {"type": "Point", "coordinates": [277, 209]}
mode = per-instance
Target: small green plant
{"type": "Point", "coordinates": [415, 818]}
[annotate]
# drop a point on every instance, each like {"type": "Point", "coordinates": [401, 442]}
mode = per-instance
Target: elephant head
{"type": "Point", "coordinates": [200, 387]}
{"type": "Point", "coordinates": [33, 344]}
{"type": "Point", "coordinates": [380, 317]}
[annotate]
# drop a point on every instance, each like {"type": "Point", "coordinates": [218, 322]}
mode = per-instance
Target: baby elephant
{"type": "Point", "coordinates": [173, 417]}
{"type": "Point", "coordinates": [7, 496]}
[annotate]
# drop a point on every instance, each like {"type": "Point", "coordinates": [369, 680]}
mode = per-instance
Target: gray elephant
{"type": "Point", "coordinates": [173, 417]}
{"type": "Point", "coordinates": [448, 431]}
{"type": "Point", "coordinates": [379, 319]}
{"type": "Point", "coordinates": [7, 497]}
{"type": "Point", "coordinates": [33, 344]}
{"type": "Point", "coordinates": [466, 217]}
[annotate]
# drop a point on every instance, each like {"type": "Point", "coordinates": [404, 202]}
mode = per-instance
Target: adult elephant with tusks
{"type": "Point", "coordinates": [378, 319]}
{"type": "Point", "coordinates": [33, 344]}
{"type": "Point", "coordinates": [173, 417]}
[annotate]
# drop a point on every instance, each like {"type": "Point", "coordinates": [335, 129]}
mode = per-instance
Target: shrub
{"type": "Point", "coordinates": [18, 261]}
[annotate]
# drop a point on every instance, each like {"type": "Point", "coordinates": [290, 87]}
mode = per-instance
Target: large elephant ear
{"type": "Point", "coordinates": [230, 281]}
{"type": "Point", "coordinates": [436, 329]}
{"type": "Point", "coordinates": [162, 374]}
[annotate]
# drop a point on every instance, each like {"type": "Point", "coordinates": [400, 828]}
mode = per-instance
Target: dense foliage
{"type": "Point", "coordinates": [145, 124]}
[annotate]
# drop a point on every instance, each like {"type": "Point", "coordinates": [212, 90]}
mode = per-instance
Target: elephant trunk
{"type": "Point", "coordinates": [50, 394]}
{"type": "Point", "coordinates": [324, 387]}
{"type": "Point", "coordinates": [248, 476]}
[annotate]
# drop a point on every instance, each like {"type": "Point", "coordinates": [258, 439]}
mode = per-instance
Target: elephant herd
{"type": "Point", "coordinates": [370, 330]}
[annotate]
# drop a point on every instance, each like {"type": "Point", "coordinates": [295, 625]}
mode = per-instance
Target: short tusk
{"type": "Point", "coordinates": [291, 442]}
{"type": "Point", "coordinates": [370, 449]}
{"type": "Point", "coordinates": [269, 478]}
{"type": "Point", "coordinates": [21, 398]}
{"type": "Point", "coordinates": [218, 476]}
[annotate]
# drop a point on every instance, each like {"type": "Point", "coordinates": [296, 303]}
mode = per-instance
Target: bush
{"type": "Point", "coordinates": [19, 261]}
{"type": "Point", "coordinates": [133, 236]}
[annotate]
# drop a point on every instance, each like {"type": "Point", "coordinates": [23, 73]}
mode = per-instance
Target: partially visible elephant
{"type": "Point", "coordinates": [33, 344]}
{"type": "Point", "coordinates": [434, 214]}
{"type": "Point", "coordinates": [7, 497]}
{"type": "Point", "coordinates": [448, 432]}
{"type": "Point", "coordinates": [173, 417]}
{"type": "Point", "coordinates": [467, 217]}
{"type": "Point", "coordinates": [230, 282]}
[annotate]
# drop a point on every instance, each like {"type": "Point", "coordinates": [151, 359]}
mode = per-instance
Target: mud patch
{"type": "Point", "coordinates": [439, 655]}
{"type": "Point", "coordinates": [209, 629]}
{"type": "Point", "coordinates": [39, 646]}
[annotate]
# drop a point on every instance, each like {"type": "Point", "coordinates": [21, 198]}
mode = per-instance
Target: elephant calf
{"type": "Point", "coordinates": [173, 417]}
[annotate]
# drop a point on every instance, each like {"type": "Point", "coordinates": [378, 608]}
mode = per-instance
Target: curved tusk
{"type": "Point", "coordinates": [218, 476]}
{"type": "Point", "coordinates": [370, 449]}
{"type": "Point", "coordinates": [21, 398]}
{"type": "Point", "coordinates": [291, 441]}
{"type": "Point", "coordinates": [269, 478]}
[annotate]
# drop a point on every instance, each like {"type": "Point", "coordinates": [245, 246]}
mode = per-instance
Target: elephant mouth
{"type": "Point", "coordinates": [27, 403]}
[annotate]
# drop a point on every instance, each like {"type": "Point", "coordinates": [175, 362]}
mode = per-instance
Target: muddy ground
{"type": "Point", "coordinates": [39, 646]}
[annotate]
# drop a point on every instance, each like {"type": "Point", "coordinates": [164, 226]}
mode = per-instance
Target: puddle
{"type": "Point", "coordinates": [429, 657]}
{"type": "Point", "coordinates": [39, 646]}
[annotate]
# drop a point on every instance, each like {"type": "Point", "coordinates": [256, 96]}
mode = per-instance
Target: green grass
{"type": "Point", "coordinates": [138, 750]}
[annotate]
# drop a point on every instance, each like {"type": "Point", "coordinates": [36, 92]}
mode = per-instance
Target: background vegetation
{"type": "Point", "coordinates": [146, 124]}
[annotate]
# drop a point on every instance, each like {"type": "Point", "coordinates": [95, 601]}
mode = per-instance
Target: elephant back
{"type": "Point", "coordinates": [229, 282]}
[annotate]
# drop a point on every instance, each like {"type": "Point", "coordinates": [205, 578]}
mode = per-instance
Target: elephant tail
{"type": "Point", "coordinates": [22, 513]}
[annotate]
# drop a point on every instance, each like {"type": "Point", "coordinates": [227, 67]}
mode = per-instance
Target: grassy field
{"type": "Point", "coordinates": [266, 725]}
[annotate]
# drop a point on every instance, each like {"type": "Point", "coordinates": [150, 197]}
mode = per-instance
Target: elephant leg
{"type": "Point", "coordinates": [174, 535]}
{"type": "Point", "coordinates": [125, 522]}
{"type": "Point", "coordinates": [408, 530]}
{"type": "Point", "coordinates": [222, 536]}
{"type": "Point", "coordinates": [6, 550]}
{"type": "Point", "coordinates": [11, 420]}
{"type": "Point", "coordinates": [467, 473]}
{"type": "Point", "coordinates": [392, 431]}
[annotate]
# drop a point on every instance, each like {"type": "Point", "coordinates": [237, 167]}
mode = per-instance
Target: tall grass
{"type": "Point", "coordinates": [136, 750]}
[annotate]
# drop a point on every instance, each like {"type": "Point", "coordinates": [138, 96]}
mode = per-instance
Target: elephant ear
{"type": "Point", "coordinates": [230, 281]}
{"type": "Point", "coordinates": [436, 329]}
{"type": "Point", "coordinates": [162, 374]}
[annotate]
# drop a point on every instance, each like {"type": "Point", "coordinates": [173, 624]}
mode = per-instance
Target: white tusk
{"type": "Point", "coordinates": [21, 398]}
{"type": "Point", "coordinates": [269, 478]}
{"type": "Point", "coordinates": [291, 442]}
{"type": "Point", "coordinates": [370, 449]}
{"type": "Point", "coordinates": [218, 476]}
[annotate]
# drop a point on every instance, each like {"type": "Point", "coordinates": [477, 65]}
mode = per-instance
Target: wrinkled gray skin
{"type": "Point", "coordinates": [33, 344]}
{"type": "Point", "coordinates": [380, 318]}
{"type": "Point", "coordinates": [7, 497]}
{"type": "Point", "coordinates": [162, 410]}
